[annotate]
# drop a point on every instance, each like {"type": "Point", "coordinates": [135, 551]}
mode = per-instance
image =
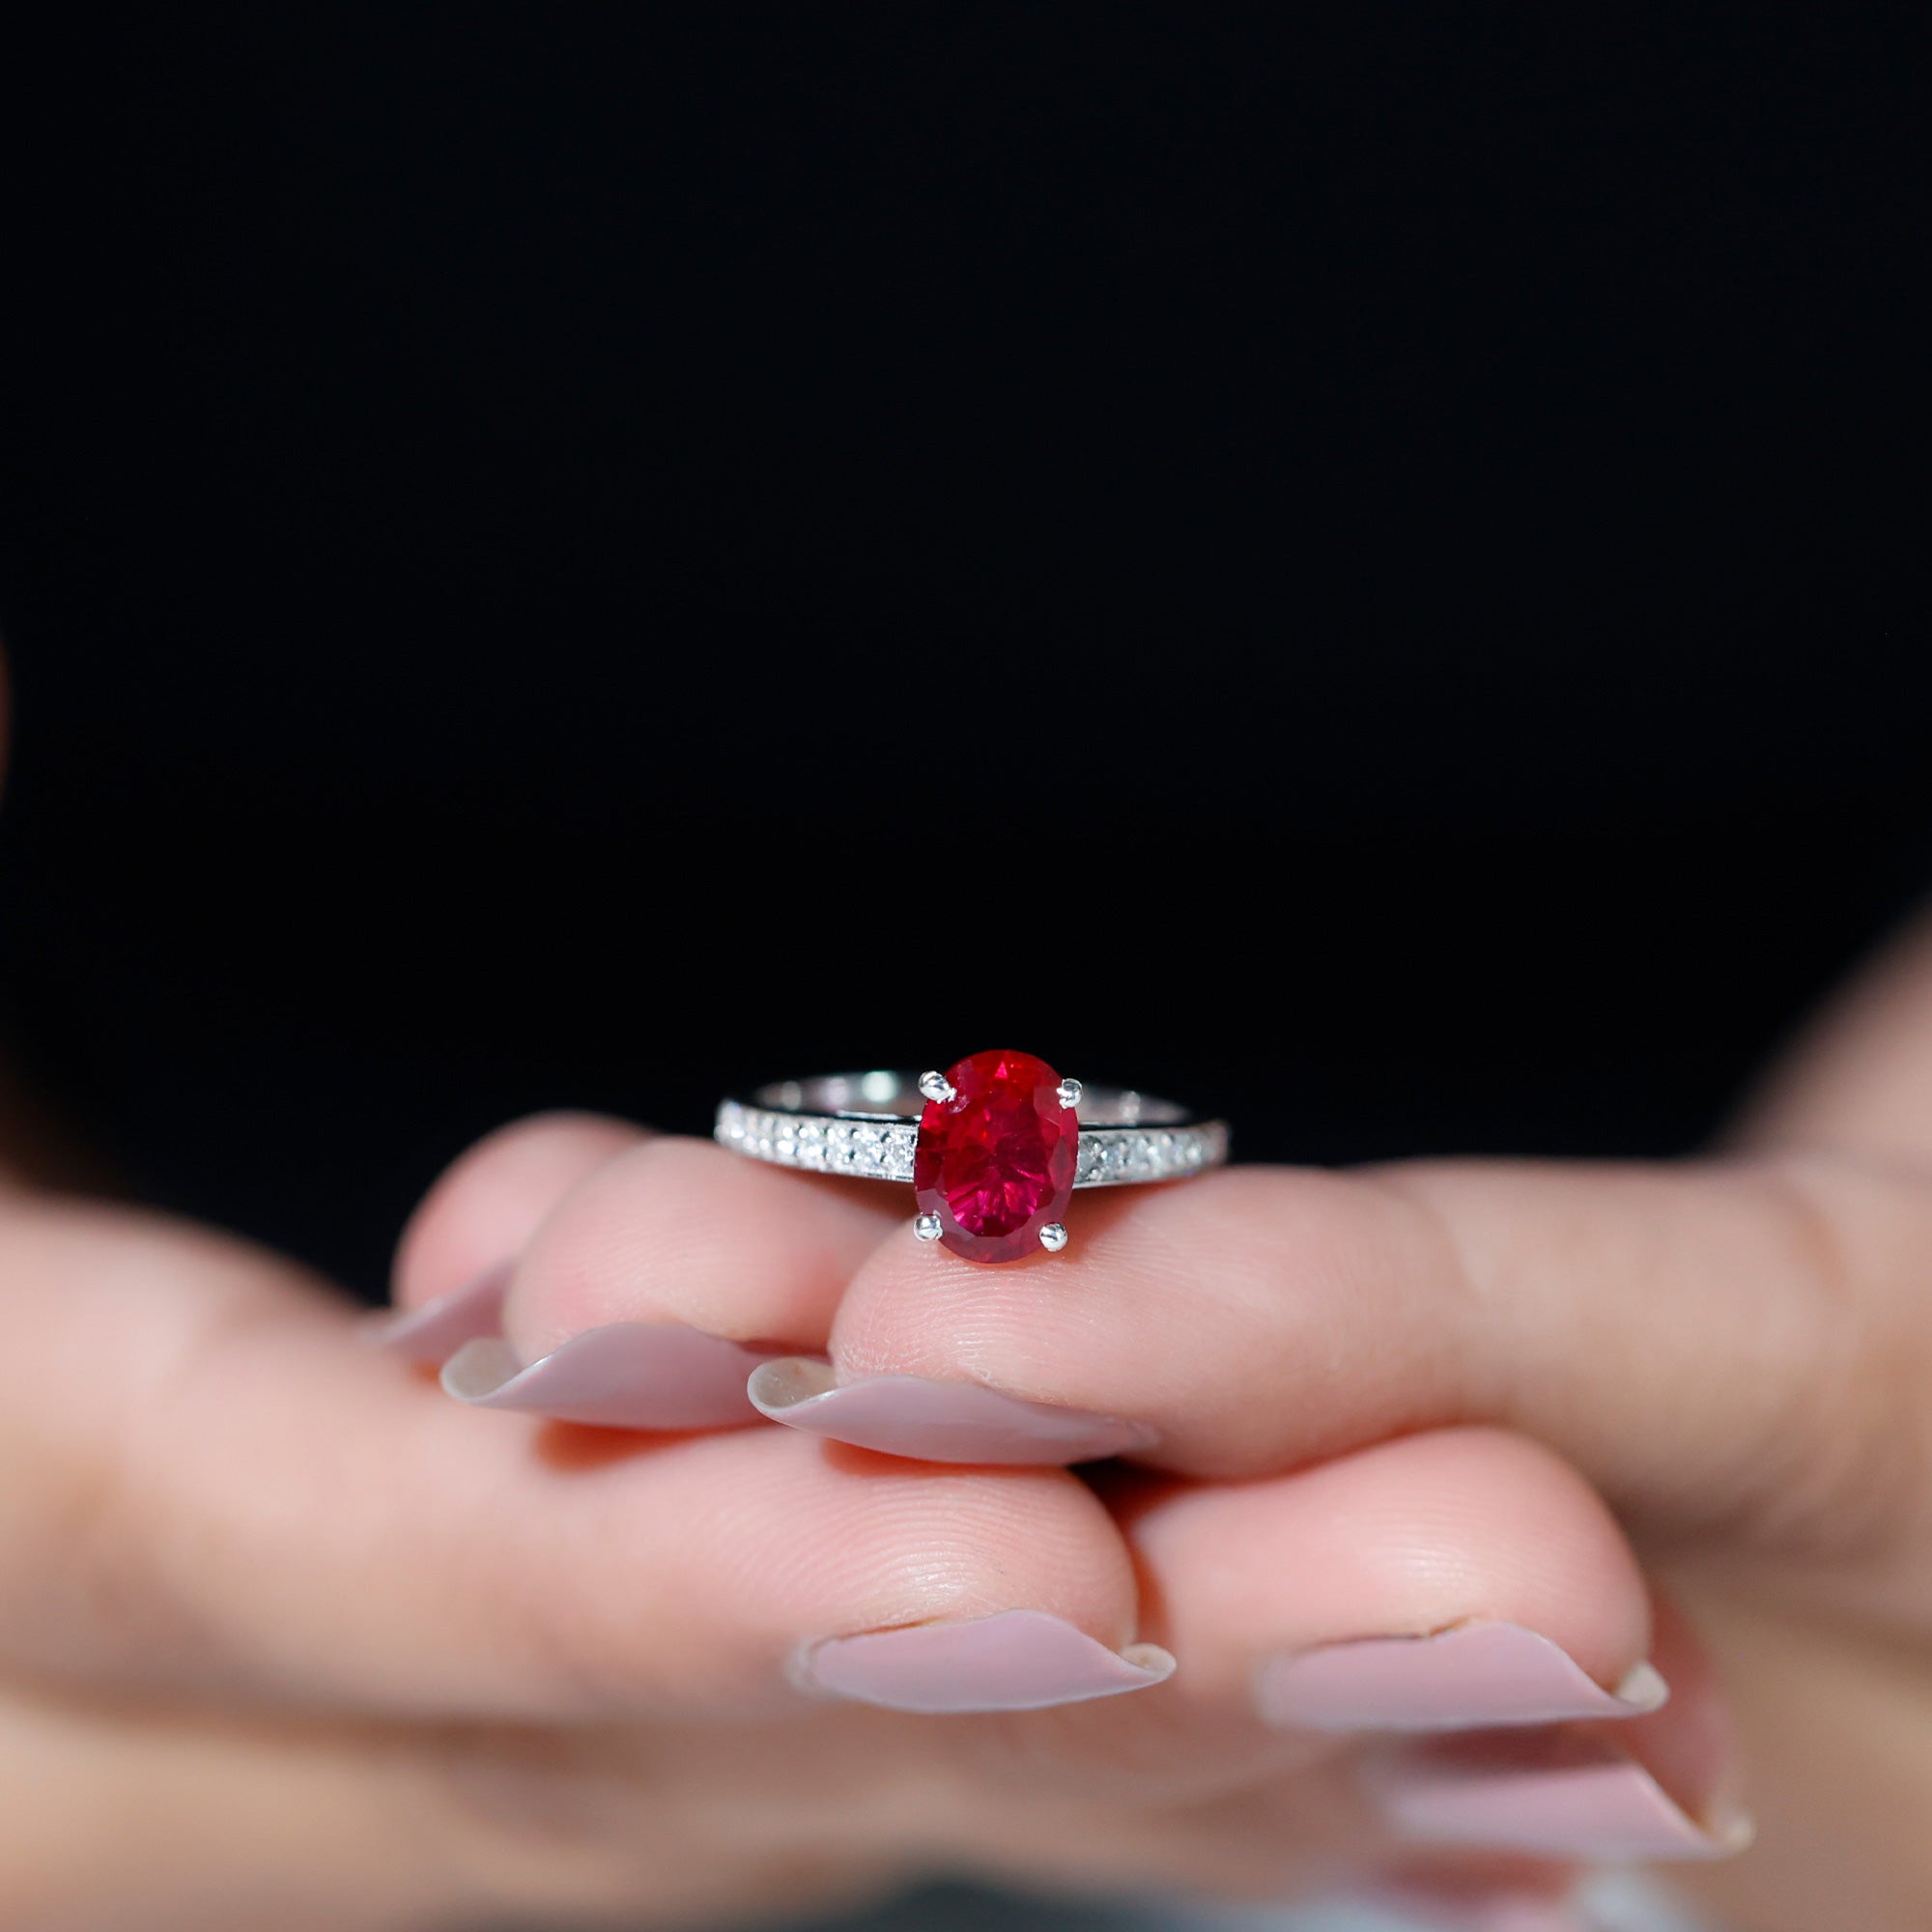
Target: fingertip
{"type": "Point", "coordinates": [679, 1231]}
{"type": "Point", "coordinates": [1456, 1579]}
{"type": "Point", "coordinates": [482, 1209]}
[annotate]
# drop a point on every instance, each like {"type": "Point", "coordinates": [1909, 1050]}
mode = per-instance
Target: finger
{"type": "Point", "coordinates": [1457, 1584]}
{"type": "Point", "coordinates": [1738, 1345]}
{"type": "Point", "coordinates": [180, 1820]}
{"type": "Point", "coordinates": [211, 1485]}
{"type": "Point", "coordinates": [1860, 1078]}
{"type": "Point", "coordinates": [1460, 1583]}
{"type": "Point", "coordinates": [456, 1256]}
{"type": "Point", "coordinates": [1661, 1786]}
{"type": "Point", "coordinates": [175, 1822]}
{"type": "Point", "coordinates": [649, 1294]}
{"type": "Point", "coordinates": [1455, 1579]}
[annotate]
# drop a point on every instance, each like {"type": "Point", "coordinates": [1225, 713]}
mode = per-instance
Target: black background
{"type": "Point", "coordinates": [1363, 568]}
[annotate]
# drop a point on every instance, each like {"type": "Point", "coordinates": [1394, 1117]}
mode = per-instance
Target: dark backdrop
{"type": "Point", "coordinates": [1363, 567]}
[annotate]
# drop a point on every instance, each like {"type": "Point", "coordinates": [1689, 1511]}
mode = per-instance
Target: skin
{"type": "Point", "coordinates": [289, 1637]}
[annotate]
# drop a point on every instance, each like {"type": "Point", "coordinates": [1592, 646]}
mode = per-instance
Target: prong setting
{"type": "Point", "coordinates": [927, 1227]}
{"type": "Point", "coordinates": [1053, 1236]}
{"type": "Point", "coordinates": [935, 1086]}
{"type": "Point", "coordinates": [1070, 1092]}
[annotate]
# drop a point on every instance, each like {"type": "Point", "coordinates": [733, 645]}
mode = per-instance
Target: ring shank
{"type": "Point", "coordinates": [867, 1125]}
{"type": "Point", "coordinates": [888, 1095]}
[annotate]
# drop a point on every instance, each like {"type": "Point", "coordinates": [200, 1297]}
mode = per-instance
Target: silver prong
{"type": "Point", "coordinates": [926, 1227]}
{"type": "Point", "coordinates": [1053, 1236]}
{"type": "Point", "coordinates": [1070, 1092]}
{"type": "Point", "coordinates": [935, 1086]}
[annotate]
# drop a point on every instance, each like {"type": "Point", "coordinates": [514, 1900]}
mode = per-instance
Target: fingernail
{"type": "Point", "coordinates": [936, 1422]}
{"type": "Point", "coordinates": [1559, 1793]}
{"type": "Point", "coordinates": [1014, 1661]}
{"type": "Point", "coordinates": [434, 1333]}
{"type": "Point", "coordinates": [629, 1375]}
{"type": "Point", "coordinates": [1475, 1675]}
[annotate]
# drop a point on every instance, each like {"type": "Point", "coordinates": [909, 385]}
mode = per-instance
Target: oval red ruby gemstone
{"type": "Point", "coordinates": [995, 1162]}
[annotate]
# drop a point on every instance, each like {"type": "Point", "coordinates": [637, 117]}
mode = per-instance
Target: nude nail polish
{"type": "Point", "coordinates": [1562, 1792]}
{"type": "Point", "coordinates": [432, 1332]}
{"type": "Point", "coordinates": [1013, 1661]}
{"type": "Point", "coordinates": [626, 1374]}
{"type": "Point", "coordinates": [936, 1421]}
{"type": "Point", "coordinates": [1471, 1676]}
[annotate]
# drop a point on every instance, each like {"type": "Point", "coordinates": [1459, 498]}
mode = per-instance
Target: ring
{"type": "Point", "coordinates": [993, 1146]}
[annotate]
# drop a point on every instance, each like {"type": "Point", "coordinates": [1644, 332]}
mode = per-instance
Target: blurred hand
{"type": "Point", "coordinates": [289, 1637]}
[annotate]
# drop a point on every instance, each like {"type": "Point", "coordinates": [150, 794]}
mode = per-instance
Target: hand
{"type": "Point", "coordinates": [288, 1637]}
{"type": "Point", "coordinates": [284, 1633]}
{"type": "Point", "coordinates": [1346, 1375]}
{"type": "Point", "coordinates": [280, 1622]}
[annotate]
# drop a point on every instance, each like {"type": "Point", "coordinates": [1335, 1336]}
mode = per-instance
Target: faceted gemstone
{"type": "Point", "coordinates": [995, 1163]}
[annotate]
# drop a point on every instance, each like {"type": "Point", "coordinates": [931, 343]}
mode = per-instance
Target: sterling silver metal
{"type": "Point", "coordinates": [867, 1124]}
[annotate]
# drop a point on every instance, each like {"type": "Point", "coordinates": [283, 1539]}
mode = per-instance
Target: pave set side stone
{"type": "Point", "coordinates": [1119, 1157]}
{"type": "Point", "coordinates": [874, 1150]}
{"type": "Point", "coordinates": [882, 1150]}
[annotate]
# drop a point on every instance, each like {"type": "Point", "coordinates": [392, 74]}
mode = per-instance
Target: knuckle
{"type": "Point", "coordinates": [679, 1226]}
{"type": "Point", "coordinates": [482, 1207]}
{"type": "Point", "coordinates": [1847, 1453]}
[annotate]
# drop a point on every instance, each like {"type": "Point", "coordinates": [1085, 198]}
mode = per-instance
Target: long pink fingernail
{"type": "Point", "coordinates": [628, 1374]}
{"type": "Point", "coordinates": [434, 1333]}
{"type": "Point", "coordinates": [1477, 1674]}
{"type": "Point", "coordinates": [1561, 1793]}
{"type": "Point", "coordinates": [1013, 1661]}
{"type": "Point", "coordinates": [936, 1422]}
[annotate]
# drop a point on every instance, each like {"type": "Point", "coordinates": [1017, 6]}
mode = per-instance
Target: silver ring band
{"type": "Point", "coordinates": [867, 1125]}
